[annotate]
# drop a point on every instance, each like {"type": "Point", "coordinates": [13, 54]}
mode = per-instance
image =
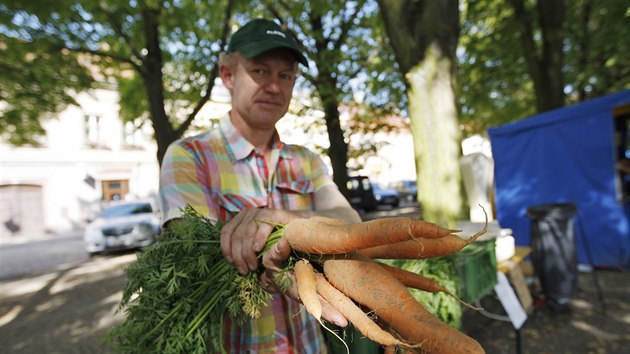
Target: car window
{"type": "Point", "coordinates": [126, 209]}
{"type": "Point", "coordinates": [358, 184]}
{"type": "Point", "coordinates": [377, 187]}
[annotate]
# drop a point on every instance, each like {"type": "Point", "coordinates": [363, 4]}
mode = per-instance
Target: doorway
{"type": "Point", "coordinates": [115, 189]}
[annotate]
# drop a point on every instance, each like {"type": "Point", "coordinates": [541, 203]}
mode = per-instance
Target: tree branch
{"type": "Point", "coordinates": [116, 25]}
{"type": "Point", "coordinates": [103, 54]}
{"type": "Point", "coordinates": [214, 72]}
{"type": "Point", "coordinates": [346, 26]}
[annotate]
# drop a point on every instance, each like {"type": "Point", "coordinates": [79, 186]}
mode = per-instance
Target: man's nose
{"type": "Point", "coordinates": [273, 83]}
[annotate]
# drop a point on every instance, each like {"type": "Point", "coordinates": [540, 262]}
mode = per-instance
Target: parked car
{"type": "Point", "coordinates": [123, 225]}
{"type": "Point", "coordinates": [408, 190]}
{"type": "Point", "coordinates": [367, 195]}
{"type": "Point", "coordinates": [360, 193]}
{"type": "Point", "coordinates": [385, 196]}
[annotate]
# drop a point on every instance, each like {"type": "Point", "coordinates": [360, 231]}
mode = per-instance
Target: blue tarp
{"type": "Point", "coordinates": [565, 156]}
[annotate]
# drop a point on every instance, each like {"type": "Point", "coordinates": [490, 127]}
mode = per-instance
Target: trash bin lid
{"type": "Point", "coordinates": [551, 211]}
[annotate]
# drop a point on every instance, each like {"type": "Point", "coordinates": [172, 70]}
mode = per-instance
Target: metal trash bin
{"type": "Point", "coordinates": [554, 255]}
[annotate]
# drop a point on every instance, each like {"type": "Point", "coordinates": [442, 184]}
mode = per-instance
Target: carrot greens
{"type": "Point", "coordinates": [179, 289]}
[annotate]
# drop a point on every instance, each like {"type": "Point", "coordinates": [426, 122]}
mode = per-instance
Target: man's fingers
{"type": "Point", "coordinates": [276, 255]}
{"type": "Point", "coordinates": [263, 230]}
{"type": "Point", "coordinates": [331, 314]}
{"type": "Point", "coordinates": [237, 238]}
{"type": "Point", "coordinates": [226, 236]}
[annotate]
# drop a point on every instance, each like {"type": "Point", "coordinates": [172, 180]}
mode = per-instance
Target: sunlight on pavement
{"type": "Point", "coordinates": [50, 305]}
{"type": "Point", "coordinates": [93, 271]}
{"type": "Point", "coordinates": [26, 286]}
{"type": "Point", "coordinates": [581, 304]}
{"type": "Point", "coordinates": [11, 315]}
{"type": "Point", "coordinates": [594, 330]}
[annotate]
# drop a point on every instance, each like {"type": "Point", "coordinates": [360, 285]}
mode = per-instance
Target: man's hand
{"type": "Point", "coordinates": [245, 236]}
{"type": "Point", "coordinates": [273, 261]}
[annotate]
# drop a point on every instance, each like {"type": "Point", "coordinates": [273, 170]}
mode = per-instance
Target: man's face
{"type": "Point", "coordinates": [261, 87]}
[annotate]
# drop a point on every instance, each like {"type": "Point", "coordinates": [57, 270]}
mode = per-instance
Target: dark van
{"type": "Point", "coordinates": [360, 193]}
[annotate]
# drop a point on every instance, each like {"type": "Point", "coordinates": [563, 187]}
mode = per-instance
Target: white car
{"type": "Point", "coordinates": [123, 225]}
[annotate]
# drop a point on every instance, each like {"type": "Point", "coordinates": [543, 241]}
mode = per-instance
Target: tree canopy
{"type": "Point", "coordinates": [496, 83]}
{"type": "Point", "coordinates": [161, 56]}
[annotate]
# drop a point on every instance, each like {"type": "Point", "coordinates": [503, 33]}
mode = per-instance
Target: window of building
{"type": "Point", "coordinates": [92, 129]}
{"type": "Point", "coordinates": [115, 189]}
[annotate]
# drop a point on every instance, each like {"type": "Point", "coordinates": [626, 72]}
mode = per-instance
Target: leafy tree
{"type": "Point", "coordinates": [542, 48]}
{"type": "Point", "coordinates": [28, 85]}
{"type": "Point", "coordinates": [514, 60]}
{"type": "Point", "coordinates": [162, 58]}
{"type": "Point", "coordinates": [424, 36]}
{"type": "Point", "coordinates": [164, 49]}
{"type": "Point", "coordinates": [598, 55]}
{"type": "Point", "coordinates": [344, 42]}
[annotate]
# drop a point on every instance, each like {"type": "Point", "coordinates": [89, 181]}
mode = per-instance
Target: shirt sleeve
{"type": "Point", "coordinates": [320, 175]}
{"type": "Point", "coordinates": [182, 184]}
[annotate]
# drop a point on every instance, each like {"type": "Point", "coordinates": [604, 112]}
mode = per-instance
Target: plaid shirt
{"type": "Point", "coordinates": [220, 173]}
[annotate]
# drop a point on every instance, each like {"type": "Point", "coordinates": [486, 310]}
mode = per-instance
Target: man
{"type": "Point", "coordinates": [241, 172]}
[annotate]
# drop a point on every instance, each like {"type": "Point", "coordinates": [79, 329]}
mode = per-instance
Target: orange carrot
{"type": "Point", "coordinates": [422, 247]}
{"type": "Point", "coordinates": [367, 283]}
{"type": "Point", "coordinates": [420, 282]}
{"type": "Point", "coordinates": [315, 235]}
{"type": "Point", "coordinates": [354, 313]}
{"type": "Point", "coordinates": [305, 281]}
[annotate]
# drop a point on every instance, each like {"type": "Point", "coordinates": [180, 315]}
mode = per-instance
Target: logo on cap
{"type": "Point", "coordinates": [276, 33]}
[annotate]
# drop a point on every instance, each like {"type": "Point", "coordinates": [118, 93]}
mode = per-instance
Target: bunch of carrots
{"type": "Point", "coordinates": [349, 276]}
{"type": "Point", "coordinates": [182, 281]}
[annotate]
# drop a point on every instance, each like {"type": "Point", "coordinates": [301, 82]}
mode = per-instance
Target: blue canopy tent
{"type": "Point", "coordinates": [565, 156]}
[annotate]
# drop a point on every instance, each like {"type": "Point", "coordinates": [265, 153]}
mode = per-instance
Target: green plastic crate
{"type": "Point", "coordinates": [477, 270]}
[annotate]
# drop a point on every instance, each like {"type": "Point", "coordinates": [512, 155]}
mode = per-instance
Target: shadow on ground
{"type": "Point", "coordinates": [68, 310]}
{"type": "Point", "coordinates": [65, 311]}
{"type": "Point", "coordinates": [590, 326]}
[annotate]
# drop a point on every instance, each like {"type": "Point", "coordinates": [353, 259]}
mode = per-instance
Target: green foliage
{"type": "Point", "coordinates": [442, 270]}
{"type": "Point", "coordinates": [598, 52]}
{"type": "Point", "coordinates": [29, 85]}
{"type": "Point", "coordinates": [179, 288]}
{"type": "Point", "coordinates": [493, 85]}
{"type": "Point", "coordinates": [51, 50]}
{"type": "Point", "coordinates": [493, 82]}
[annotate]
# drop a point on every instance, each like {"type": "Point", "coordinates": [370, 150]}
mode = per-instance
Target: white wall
{"type": "Point", "coordinates": [62, 164]}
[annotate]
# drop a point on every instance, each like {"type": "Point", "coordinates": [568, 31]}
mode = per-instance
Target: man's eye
{"type": "Point", "coordinates": [289, 77]}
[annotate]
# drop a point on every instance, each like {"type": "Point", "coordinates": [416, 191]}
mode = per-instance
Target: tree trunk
{"type": "Point", "coordinates": [153, 79]}
{"type": "Point", "coordinates": [338, 151]}
{"type": "Point", "coordinates": [544, 64]}
{"type": "Point", "coordinates": [326, 86]}
{"type": "Point", "coordinates": [436, 138]}
{"type": "Point", "coordinates": [424, 36]}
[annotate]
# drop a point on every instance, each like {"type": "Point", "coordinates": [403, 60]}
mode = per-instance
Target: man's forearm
{"type": "Point", "coordinates": [341, 213]}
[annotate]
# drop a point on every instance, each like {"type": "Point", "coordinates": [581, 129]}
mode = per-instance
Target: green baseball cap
{"type": "Point", "coordinates": [261, 35]}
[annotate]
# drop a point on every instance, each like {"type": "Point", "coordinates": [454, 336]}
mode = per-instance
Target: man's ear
{"type": "Point", "coordinates": [226, 76]}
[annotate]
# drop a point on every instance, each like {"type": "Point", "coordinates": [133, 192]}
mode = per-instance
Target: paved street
{"type": "Point", "coordinates": [70, 307]}
{"type": "Point", "coordinates": [67, 310]}
{"type": "Point", "coordinates": [29, 256]}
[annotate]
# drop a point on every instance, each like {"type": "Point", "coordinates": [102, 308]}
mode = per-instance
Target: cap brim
{"type": "Point", "coordinates": [256, 48]}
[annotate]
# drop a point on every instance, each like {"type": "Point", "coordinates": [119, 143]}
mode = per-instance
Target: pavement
{"type": "Point", "coordinates": [66, 310]}
{"type": "Point", "coordinates": [595, 322]}
{"type": "Point", "coordinates": [69, 309]}
{"type": "Point", "coordinates": [21, 239]}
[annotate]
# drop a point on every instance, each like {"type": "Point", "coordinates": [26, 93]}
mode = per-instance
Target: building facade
{"type": "Point", "coordinates": [88, 157]}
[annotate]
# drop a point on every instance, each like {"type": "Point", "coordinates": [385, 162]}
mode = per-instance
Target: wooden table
{"type": "Point", "coordinates": [512, 269]}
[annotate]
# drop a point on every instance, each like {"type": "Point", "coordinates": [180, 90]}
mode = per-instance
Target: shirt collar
{"type": "Point", "coordinates": [238, 147]}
